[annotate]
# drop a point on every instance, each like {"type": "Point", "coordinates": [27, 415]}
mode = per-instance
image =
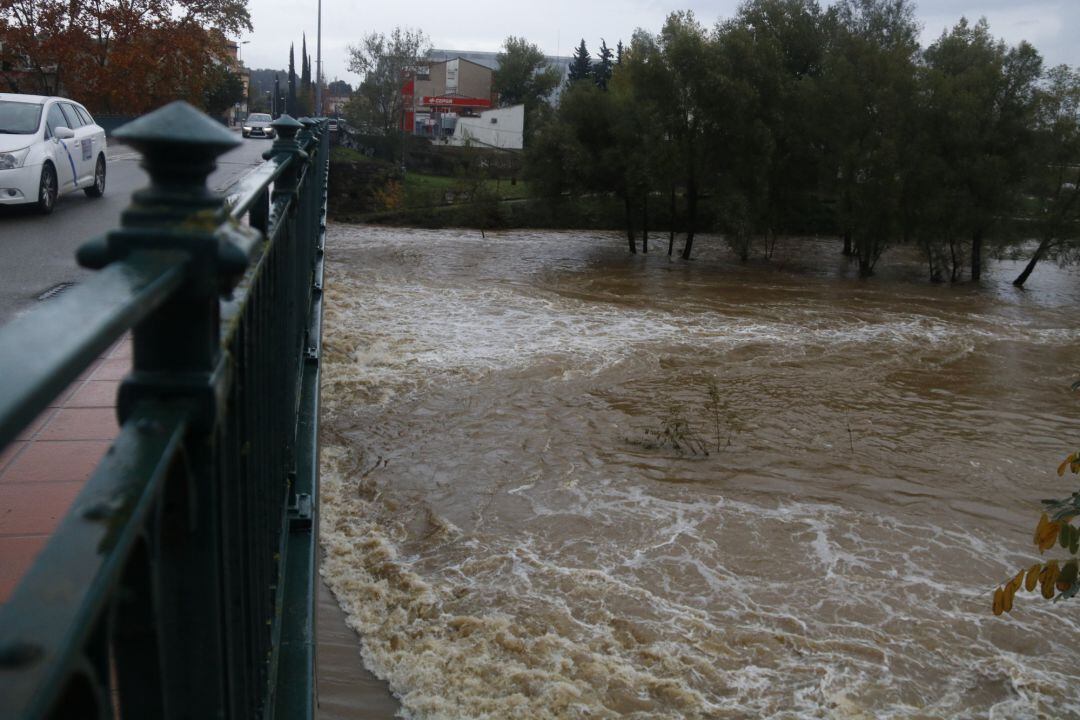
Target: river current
{"type": "Point", "coordinates": [560, 481]}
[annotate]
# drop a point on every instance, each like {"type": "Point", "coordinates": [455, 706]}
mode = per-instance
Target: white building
{"type": "Point", "coordinates": [502, 128]}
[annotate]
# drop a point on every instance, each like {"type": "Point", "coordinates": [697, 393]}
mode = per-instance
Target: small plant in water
{"type": "Point", "coordinates": [675, 432]}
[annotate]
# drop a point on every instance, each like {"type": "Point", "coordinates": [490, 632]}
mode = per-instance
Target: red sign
{"type": "Point", "coordinates": [454, 101]}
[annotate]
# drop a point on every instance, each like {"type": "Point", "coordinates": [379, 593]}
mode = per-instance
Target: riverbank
{"type": "Point", "coordinates": [367, 190]}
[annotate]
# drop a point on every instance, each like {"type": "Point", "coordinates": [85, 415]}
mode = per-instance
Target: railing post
{"type": "Point", "coordinates": [177, 360]}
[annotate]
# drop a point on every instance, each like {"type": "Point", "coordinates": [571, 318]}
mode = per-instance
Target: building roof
{"type": "Point", "coordinates": [434, 61]}
{"type": "Point", "coordinates": [491, 59]}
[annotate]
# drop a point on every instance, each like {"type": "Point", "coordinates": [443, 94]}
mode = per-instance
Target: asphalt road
{"type": "Point", "coordinates": [37, 252]}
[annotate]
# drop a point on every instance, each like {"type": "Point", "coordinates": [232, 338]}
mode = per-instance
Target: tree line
{"type": "Point", "coordinates": [964, 147]}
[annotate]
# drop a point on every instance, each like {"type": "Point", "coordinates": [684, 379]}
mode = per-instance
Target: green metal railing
{"type": "Point", "coordinates": [181, 583]}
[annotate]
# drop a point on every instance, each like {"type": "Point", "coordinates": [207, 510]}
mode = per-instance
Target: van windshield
{"type": "Point", "coordinates": [19, 118]}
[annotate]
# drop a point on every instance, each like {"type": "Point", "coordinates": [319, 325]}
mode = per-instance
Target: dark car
{"type": "Point", "coordinates": [258, 125]}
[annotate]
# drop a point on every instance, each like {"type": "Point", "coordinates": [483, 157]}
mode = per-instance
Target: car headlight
{"type": "Point", "coordinates": [13, 159]}
{"type": "Point", "coordinates": [247, 128]}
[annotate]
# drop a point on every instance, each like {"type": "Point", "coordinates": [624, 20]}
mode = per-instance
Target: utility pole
{"type": "Point", "coordinates": [318, 64]}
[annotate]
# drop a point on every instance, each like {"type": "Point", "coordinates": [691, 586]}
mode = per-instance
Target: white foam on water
{"type": "Point", "coordinates": [596, 583]}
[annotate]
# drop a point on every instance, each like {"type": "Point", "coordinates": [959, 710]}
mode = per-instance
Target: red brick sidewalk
{"type": "Point", "coordinates": [44, 469]}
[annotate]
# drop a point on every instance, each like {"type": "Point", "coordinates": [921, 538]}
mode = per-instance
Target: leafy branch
{"type": "Point", "coordinates": [1055, 580]}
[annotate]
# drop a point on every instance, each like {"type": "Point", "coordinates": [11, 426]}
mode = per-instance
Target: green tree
{"type": "Point", "coordinates": [524, 77]}
{"type": "Point", "coordinates": [291, 105]}
{"type": "Point", "coordinates": [979, 108]}
{"type": "Point", "coordinates": [683, 55]}
{"type": "Point", "coordinates": [781, 51]}
{"type": "Point", "coordinates": [581, 65]}
{"type": "Point", "coordinates": [1056, 180]}
{"type": "Point", "coordinates": [304, 101]}
{"type": "Point", "coordinates": [339, 88]}
{"type": "Point", "coordinates": [383, 61]}
{"type": "Point", "coordinates": [602, 71]}
{"type": "Point", "coordinates": [866, 104]}
{"type": "Point", "coordinates": [224, 90]}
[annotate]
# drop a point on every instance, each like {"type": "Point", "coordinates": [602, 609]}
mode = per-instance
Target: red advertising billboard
{"type": "Point", "coordinates": [454, 101]}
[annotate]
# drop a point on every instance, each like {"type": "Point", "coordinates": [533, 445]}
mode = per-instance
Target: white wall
{"type": "Point", "coordinates": [501, 128]}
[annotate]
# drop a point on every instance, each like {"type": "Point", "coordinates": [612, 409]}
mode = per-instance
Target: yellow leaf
{"type": "Point", "coordinates": [1039, 528]}
{"type": "Point", "coordinates": [1048, 590]}
{"type": "Point", "coordinates": [1032, 577]}
{"type": "Point", "coordinates": [1049, 537]}
{"type": "Point", "coordinates": [1049, 576]}
{"type": "Point", "coordinates": [1007, 597]}
{"type": "Point", "coordinates": [1061, 468]}
{"type": "Point", "coordinates": [998, 601]}
{"type": "Point", "coordinates": [1018, 581]}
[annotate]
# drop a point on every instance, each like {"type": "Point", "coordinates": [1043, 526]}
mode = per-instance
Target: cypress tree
{"type": "Point", "coordinates": [305, 79]}
{"type": "Point", "coordinates": [618, 53]}
{"type": "Point", "coordinates": [602, 71]}
{"type": "Point", "coordinates": [291, 108]}
{"type": "Point", "coordinates": [581, 65]}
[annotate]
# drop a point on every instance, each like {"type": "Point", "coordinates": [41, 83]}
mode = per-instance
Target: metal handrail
{"type": "Point", "coordinates": [182, 579]}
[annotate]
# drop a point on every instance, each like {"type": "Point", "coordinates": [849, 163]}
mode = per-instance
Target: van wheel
{"type": "Point", "coordinates": [98, 188]}
{"type": "Point", "coordinates": [47, 189]}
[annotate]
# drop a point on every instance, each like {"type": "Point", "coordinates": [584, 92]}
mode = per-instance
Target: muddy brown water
{"type": "Point", "coordinates": [563, 482]}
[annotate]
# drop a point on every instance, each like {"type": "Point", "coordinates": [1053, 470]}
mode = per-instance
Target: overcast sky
{"type": "Point", "coordinates": [1052, 26]}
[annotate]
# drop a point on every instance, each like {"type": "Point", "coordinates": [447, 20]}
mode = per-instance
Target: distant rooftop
{"type": "Point", "coordinates": [490, 59]}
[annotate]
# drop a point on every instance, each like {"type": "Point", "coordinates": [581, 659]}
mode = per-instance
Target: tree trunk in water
{"type": "Point", "coordinates": [671, 232]}
{"type": "Point", "coordinates": [976, 254]}
{"type": "Point", "coordinates": [849, 250]}
{"type": "Point", "coordinates": [630, 225]}
{"type": "Point", "coordinates": [645, 223]}
{"type": "Point", "coordinates": [1022, 277]}
{"type": "Point", "coordinates": [691, 215]}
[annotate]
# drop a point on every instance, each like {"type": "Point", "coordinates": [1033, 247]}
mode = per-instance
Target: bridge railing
{"type": "Point", "coordinates": [181, 582]}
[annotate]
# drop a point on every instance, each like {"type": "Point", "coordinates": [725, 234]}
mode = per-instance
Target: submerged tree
{"type": "Point", "coordinates": [1055, 184]}
{"type": "Point", "coordinates": [868, 91]}
{"type": "Point", "coordinates": [979, 102]}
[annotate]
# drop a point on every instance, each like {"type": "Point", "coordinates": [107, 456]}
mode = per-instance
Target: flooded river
{"type": "Point", "coordinates": [560, 481]}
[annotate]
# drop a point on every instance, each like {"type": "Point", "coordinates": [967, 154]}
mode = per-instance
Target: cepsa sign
{"type": "Point", "coordinates": [454, 101]}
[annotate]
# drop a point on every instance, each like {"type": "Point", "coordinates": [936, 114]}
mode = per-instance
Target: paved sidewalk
{"type": "Point", "coordinates": [46, 467]}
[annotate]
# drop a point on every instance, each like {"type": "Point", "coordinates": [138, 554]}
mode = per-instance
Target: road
{"type": "Point", "coordinates": [37, 253]}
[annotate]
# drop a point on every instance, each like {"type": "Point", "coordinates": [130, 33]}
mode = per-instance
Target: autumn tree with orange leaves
{"type": "Point", "coordinates": [117, 56]}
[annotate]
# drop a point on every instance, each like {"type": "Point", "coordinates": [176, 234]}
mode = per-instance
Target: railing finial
{"type": "Point", "coordinates": [286, 128]}
{"type": "Point", "coordinates": [180, 146]}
